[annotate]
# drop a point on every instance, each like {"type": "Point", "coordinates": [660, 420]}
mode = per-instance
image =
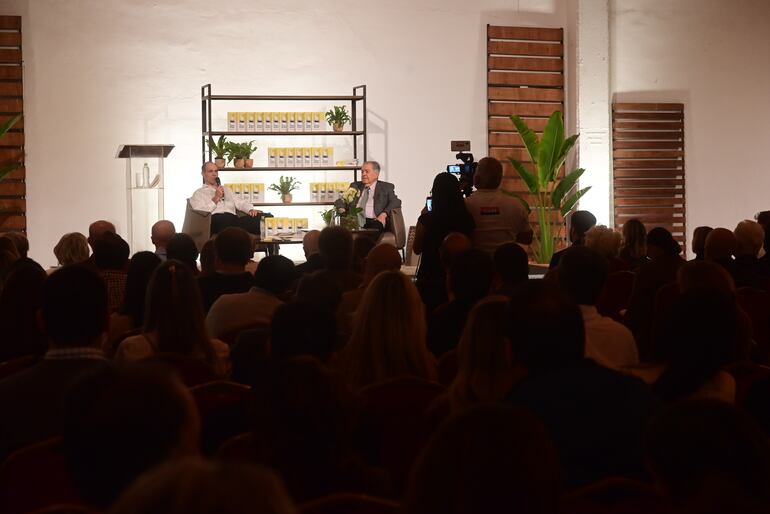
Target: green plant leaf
{"type": "Point", "coordinates": [9, 123]}
{"type": "Point", "coordinates": [520, 198]}
{"type": "Point", "coordinates": [550, 147]}
{"type": "Point", "coordinates": [5, 170]}
{"type": "Point", "coordinates": [569, 204]}
{"type": "Point", "coordinates": [529, 137]}
{"type": "Point", "coordinates": [529, 178]}
{"type": "Point", "coordinates": [565, 148]}
{"type": "Point", "coordinates": [564, 187]}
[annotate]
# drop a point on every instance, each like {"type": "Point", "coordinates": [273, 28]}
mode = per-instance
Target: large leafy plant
{"type": "Point", "coordinates": [219, 147]}
{"type": "Point", "coordinates": [551, 193]}
{"type": "Point", "coordinates": [4, 128]}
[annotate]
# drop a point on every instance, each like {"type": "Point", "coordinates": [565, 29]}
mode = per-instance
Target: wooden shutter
{"type": "Point", "coordinates": [12, 188]}
{"type": "Point", "coordinates": [648, 165]}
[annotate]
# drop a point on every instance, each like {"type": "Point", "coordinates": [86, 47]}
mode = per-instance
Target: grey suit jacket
{"type": "Point", "coordinates": [385, 199]}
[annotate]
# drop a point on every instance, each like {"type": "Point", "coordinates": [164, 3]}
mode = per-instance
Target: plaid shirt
{"type": "Point", "coordinates": [116, 288]}
{"type": "Point", "coordinates": [80, 352]}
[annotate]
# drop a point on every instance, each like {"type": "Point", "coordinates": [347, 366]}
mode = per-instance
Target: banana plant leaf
{"type": "Point", "coordinates": [529, 178]}
{"type": "Point", "coordinates": [529, 138]}
{"type": "Point", "coordinates": [572, 200]}
{"type": "Point", "coordinates": [550, 147]}
{"type": "Point", "coordinates": [565, 186]}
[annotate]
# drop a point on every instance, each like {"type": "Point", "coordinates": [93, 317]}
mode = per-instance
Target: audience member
{"type": "Point", "coordinates": [181, 247]}
{"type": "Point", "coordinates": [20, 241]}
{"type": "Point", "coordinates": [469, 280]}
{"type": "Point", "coordinates": [122, 421]}
{"type": "Point", "coordinates": [361, 248]}
{"type": "Point", "coordinates": [335, 245]}
{"type": "Point", "coordinates": [499, 218]}
{"type": "Point", "coordinates": [511, 265]}
{"type": "Point", "coordinates": [606, 242]}
{"type": "Point", "coordinates": [173, 321]}
{"type": "Point", "coordinates": [232, 313]}
{"type": "Point", "coordinates": [579, 223]}
{"type": "Point", "coordinates": [582, 274]}
{"type": "Point", "coordinates": [388, 337]}
{"type": "Point", "coordinates": [72, 248]}
{"type": "Point", "coordinates": [633, 251]}
{"type": "Point", "coordinates": [448, 215]}
{"type": "Point", "coordinates": [194, 486]}
{"type": "Point", "coordinates": [160, 235]}
{"type": "Point", "coordinates": [312, 257]}
{"type": "Point", "coordinates": [709, 457]}
{"type": "Point", "coordinates": [73, 313]}
{"type": "Point", "coordinates": [110, 257]}
{"type": "Point", "coordinates": [699, 236]}
{"type": "Point", "coordinates": [763, 218]}
{"type": "Point", "coordinates": [19, 303]}
{"type": "Point", "coordinates": [595, 414]}
{"type": "Point", "coordinates": [302, 328]}
{"type": "Point", "coordinates": [208, 258]}
{"type": "Point", "coordinates": [489, 459]}
{"type": "Point", "coordinates": [233, 250]}
{"type": "Point", "coordinates": [320, 289]}
{"type": "Point", "coordinates": [747, 269]}
{"type": "Point", "coordinates": [97, 229]}
{"type": "Point", "coordinates": [8, 257]}
{"type": "Point", "coordinates": [720, 247]}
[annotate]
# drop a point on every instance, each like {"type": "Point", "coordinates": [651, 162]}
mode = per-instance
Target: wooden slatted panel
{"type": "Point", "coordinates": [525, 76]}
{"type": "Point", "coordinates": [648, 165]}
{"type": "Point", "coordinates": [13, 204]}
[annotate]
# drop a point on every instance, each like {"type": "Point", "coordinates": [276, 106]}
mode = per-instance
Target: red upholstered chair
{"type": "Point", "coordinates": [224, 410]}
{"type": "Point", "coordinates": [192, 371]}
{"type": "Point", "coordinates": [349, 503]}
{"type": "Point", "coordinates": [756, 304]}
{"type": "Point", "coordinates": [616, 293]}
{"type": "Point", "coordinates": [35, 477]}
{"type": "Point", "coordinates": [448, 367]}
{"type": "Point", "coordinates": [12, 366]}
{"type": "Point", "coordinates": [615, 496]}
{"type": "Point", "coordinates": [395, 425]}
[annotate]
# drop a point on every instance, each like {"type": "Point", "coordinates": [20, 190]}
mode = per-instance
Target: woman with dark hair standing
{"type": "Point", "coordinates": [448, 214]}
{"type": "Point", "coordinates": [633, 251]}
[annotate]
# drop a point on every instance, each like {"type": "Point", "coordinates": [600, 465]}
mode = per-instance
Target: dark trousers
{"type": "Point", "coordinates": [221, 221]}
{"type": "Point", "coordinates": [374, 223]}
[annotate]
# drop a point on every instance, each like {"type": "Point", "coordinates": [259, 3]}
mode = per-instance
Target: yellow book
{"type": "Point", "coordinates": [232, 121]}
{"type": "Point", "coordinates": [267, 120]}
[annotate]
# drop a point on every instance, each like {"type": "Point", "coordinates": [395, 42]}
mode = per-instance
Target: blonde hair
{"type": "Point", "coordinates": [604, 240]}
{"type": "Point", "coordinates": [72, 248]}
{"type": "Point", "coordinates": [483, 356]}
{"type": "Point", "coordinates": [388, 335]}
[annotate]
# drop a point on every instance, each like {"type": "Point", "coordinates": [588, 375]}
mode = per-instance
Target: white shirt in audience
{"type": "Point", "coordinates": [203, 200]}
{"type": "Point", "coordinates": [139, 347]}
{"type": "Point", "coordinates": [608, 342]}
{"type": "Point", "coordinates": [234, 312]}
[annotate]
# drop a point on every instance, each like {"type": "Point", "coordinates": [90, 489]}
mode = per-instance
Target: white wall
{"type": "Point", "coordinates": [99, 73]}
{"type": "Point", "coordinates": [713, 56]}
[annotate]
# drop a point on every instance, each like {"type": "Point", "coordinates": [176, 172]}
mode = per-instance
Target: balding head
{"type": "Point", "coordinates": [162, 231]}
{"type": "Point", "coordinates": [310, 243]}
{"type": "Point", "coordinates": [383, 257]}
{"type": "Point", "coordinates": [720, 244]}
{"type": "Point", "coordinates": [453, 243]}
{"type": "Point", "coordinates": [489, 174]}
{"type": "Point", "coordinates": [97, 229]}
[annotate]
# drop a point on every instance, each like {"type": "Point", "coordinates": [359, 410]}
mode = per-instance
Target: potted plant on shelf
{"type": "Point", "coordinates": [551, 193]}
{"type": "Point", "coordinates": [337, 117]}
{"type": "Point", "coordinates": [219, 148]}
{"type": "Point", "coordinates": [235, 153]}
{"type": "Point", "coordinates": [248, 149]}
{"type": "Point", "coordinates": [284, 187]}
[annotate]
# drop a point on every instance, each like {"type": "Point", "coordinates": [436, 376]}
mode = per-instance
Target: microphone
{"type": "Point", "coordinates": [219, 182]}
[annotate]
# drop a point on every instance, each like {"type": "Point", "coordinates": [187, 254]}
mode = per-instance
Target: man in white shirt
{"type": "Point", "coordinates": [499, 218]}
{"type": "Point", "coordinates": [223, 205]}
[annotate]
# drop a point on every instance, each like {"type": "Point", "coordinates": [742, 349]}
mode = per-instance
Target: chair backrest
{"type": "Point", "coordinates": [410, 259]}
{"type": "Point", "coordinates": [224, 409]}
{"type": "Point", "coordinates": [12, 366]}
{"type": "Point", "coordinates": [197, 225]}
{"type": "Point", "coordinates": [396, 226]}
{"type": "Point", "coordinates": [35, 477]}
{"type": "Point", "coordinates": [616, 293]}
{"type": "Point", "coordinates": [349, 503]}
{"type": "Point", "coordinates": [615, 495]}
{"type": "Point", "coordinates": [756, 304]}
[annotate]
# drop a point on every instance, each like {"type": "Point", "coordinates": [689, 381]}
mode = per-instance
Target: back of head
{"type": "Point", "coordinates": [489, 174]}
{"type": "Point", "coordinates": [580, 222]}
{"type": "Point", "coordinates": [110, 252]}
{"type": "Point", "coordinates": [703, 448]}
{"type": "Point", "coordinates": [182, 248]}
{"type": "Point", "coordinates": [193, 486]}
{"type": "Point", "coordinates": [233, 246]}
{"type": "Point", "coordinates": [582, 274]}
{"type": "Point", "coordinates": [750, 237]}
{"type": "Point", "coordinates": [335, 244]}
{"type": "Point", "coordinates": [706, 276]}
{"type": "Point", "coordinates": [699, 236]}
{"type": "Point", "coordinates": [275, 273]}
{"type": "Point", "coordinates": [97, 229]}
{"type": "Point", "coordinates": [491, 458]}
{"type": "Point", "coordinates": [121, 421]}
{"type": "Point", "coordinates": [361, 248]}
{"type": "Point", "coordinates": [539, 304]}
{"type": "Point", "coordinates": [72, 248]}
{"type": "Point", "coordinates": [20, 241]}
{"type": "Point", "coordinates": [660, 242]}
{"type": "Point", "coordinates": [310, 242]}
{"type": "Point", "coordinates": [302, 328]}
{"type": "Point", "coordinates": [447, 196]}
{"type": "Point", "coordinates": [208, 258]}
{"type": "Point", "coordinates": [74, 307]}
{"type": "Point", "coordinates": [140, 270]}
{"type": "Point", "coordinates": [470, 275]}
{"type": "Point", "coordinates": [161, 233]}
{"type": "Point", "coordinates": [319, 289]}
{"type": "Point", "coordinates": [635, 237]}
{"type": "Point", "coordinates": [604, 240]}
{"type": "Point", "coordinates": [453, 243]}
{"type": "Point", "coordinates": [721, 245]}
{"type": "Point", "coordinates": [511, 263]}
{"type": "Point", "coordinates": [383, 257]}
{"type": "Point", "coordinates": [19, 303]}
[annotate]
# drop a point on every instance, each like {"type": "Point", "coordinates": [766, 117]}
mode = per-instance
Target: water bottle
{"type": "Point", "coordinates": [146, 175]}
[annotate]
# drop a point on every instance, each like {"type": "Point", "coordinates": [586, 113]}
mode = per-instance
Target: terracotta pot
{"type": "Point", "coordinates": [337, 127]}
{"type": "Point", "coordinates": [238, 163]}
{"type": "Point", "coordinates": [221, 163]}
{"type": "Point", "coordinates": [249, 163]}
{"type": "Point", "coordinates": [286, 198]}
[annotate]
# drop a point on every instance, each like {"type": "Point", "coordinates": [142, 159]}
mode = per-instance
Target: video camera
{"type": "Point", "coordinates": [465, 171]}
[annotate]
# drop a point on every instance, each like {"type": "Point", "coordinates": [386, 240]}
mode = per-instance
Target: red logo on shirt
{"type": "Point", "coordinates": [490, 211]}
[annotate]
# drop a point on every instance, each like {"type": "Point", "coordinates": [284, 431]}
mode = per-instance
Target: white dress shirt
{"type": "Point", "coordinates": [203, 200]}
{"type": "Point", "coordinates": [369, 207]}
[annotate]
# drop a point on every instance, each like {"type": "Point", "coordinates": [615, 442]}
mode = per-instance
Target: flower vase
{"type": "Point", "coordinates": [349, 222]}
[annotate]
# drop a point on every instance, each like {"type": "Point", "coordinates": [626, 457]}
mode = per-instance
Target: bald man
{"type": "Point", "coordinates": [162, 232]}
{"type": "Point", "coordinates": [219, 200]}
{"type": "Point", "coordinates": [97, 229]}
{"type": "Point", "coordinates": [312, 256]}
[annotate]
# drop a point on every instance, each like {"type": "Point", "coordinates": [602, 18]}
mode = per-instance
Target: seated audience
{"type": "Point", "coordinates": [173, 322]}
{"type": "Point", "coordinates": [594, 414]}
{"type": "Point", "coordinates": [19, 303]}
{"type": "Point", "coordinates": [160, 235]}
{"type": "Point", "coordinates": [122, 421]}
{"type": "Point", "coordinates": [110, 256]}
{"type": "Point", "coordinates": [8, 257]}
{"type": "Point", "coordinates": [21, 243]}
{"type": "Point", "coordinates": [388, 336]}
{"type": "Point", "coordinates": [579, 223]}
{"type": "Point", "coordinates": [698, 244]}
{"type": "Point", "coordinates": [73, 312]}
{"type": "Point", "coordinates": [208, 258]}
{"type": "Point", "coordinates": [72, 248]}
{"type": "Point", "coordinates": [582, 274]}
{"type": "Point", "coordinates": [511, 265]}
{"type": "Point", "coordinates": [747, 269]}
{"type": "Point", "coordinates": [181, 247]}
{"type": "Point", "coordinates": [448, 215]}
{"type": "Point", "coordinates": [302, 328]}
{"type": "Point", "coordinates": [633, 250]}
{"type": "Point", "coordinates": [606, 242]}
{"type": "Point", "coordinates": [763, 218]}
{"type": "Point", "coordinates": [233, 248]}
{"type": "Point", "coordinates": [709, 458]}
{"type": "Point", "coordinates": [335, 245]}
{"type": "Point", "coordinates": [361, 248]}
{"type": "Point", "coordinates": [469, 280]}
{"type": "Point", "coordinates": [95, 232]}
{"type": "Point", "coordinates": [194, 486]}
{"type": "Point", "coordinates": [312, 257]}
{"type": "Point", "coordinates": [498, 217]}
{"type": "Point", "coordinates": [232, 313]}
{"type": "Point", "coordinates": [489, 459]}
{"type": "Point", "coordinates": [320, 289]}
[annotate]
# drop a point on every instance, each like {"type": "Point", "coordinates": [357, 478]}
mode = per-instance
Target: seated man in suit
{"type": "Point", "coordinates": [377, 199]}
{"type": "Point", "coordinates": [220, 201]}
